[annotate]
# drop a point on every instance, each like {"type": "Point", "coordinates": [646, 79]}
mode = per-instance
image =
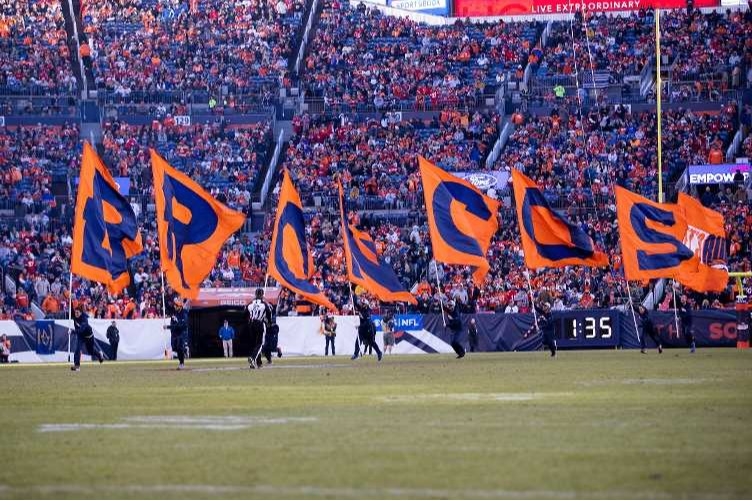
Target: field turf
{"type": "Point", "coordinates": [605, 424]}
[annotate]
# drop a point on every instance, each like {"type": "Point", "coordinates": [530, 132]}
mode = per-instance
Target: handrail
{"type": "Point", "coordinates": [78, 49]}
{"type": "Point", "coordinates": [506, 131]}
{"type": "Point", "coordinates": [306, 35]}
{"type": "Point", "coordinates": [734, 146]}
{"type": "Point", "coordinates": [272, 167]}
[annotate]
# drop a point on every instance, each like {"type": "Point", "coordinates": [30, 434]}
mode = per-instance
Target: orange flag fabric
{"type": "Point", "coordinates": [365, 267]}
{"type": "Point", "coordinates": [461, 220]}
{"type": "Point", "coordinates": [669, 240]}
{"type": "Point", "coordinates": [105, 232]}
{"type": "Point", "coordinates": [192, 226]}
{"type": "Point", "coordinates": [290, 261]}
{"type": "Point", "coordinates": [549, 240]}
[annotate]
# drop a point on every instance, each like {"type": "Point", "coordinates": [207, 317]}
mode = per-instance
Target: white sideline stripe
{"type": "Point", "coordinates": [215, 423]}
{"type": "Point", "coordinates": [470, 397]}
{"type": "Point", "coordinates": [271, 366]}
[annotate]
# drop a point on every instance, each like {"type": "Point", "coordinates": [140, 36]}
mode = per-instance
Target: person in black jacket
{"type": "Point", "coordinates": [648, 329]}
{"type": "Point", "coordinates": [179, 332]}
{"type": "Point", "coordinates": [685, 318]}
{"type": "Point", "coordinates": [454, 322]}
{"type": "Point", "coordinates": [113, 336]}
{"type": "Point", "coordinates": [543, 314]}
{"type": "Point", "coordinates": [366, 329]}
{"type": "Point", "coordinates": [84, 335]}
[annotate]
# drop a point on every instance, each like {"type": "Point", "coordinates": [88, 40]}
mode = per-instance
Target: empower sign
{"type": "Point", "coordinates": [716, 174]}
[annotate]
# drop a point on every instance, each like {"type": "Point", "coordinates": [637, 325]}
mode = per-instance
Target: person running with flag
{"type": "Point", "coordinates": [648, 330]}
{"type": "Point", "coordinates": [179, 332]}
{"type": "Point", "coordinates": [366, 329]}
{"type": "Point", "coordinates": [84, 335]}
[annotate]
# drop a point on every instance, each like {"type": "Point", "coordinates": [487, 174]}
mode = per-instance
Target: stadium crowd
{"type": "Point", "coordinates": [359, 58]}
{"type": "Point", "coordinates": [143, 48]}
{"type": "Point", "coordinates": [33, 49]}
{"type": "Point", "coordinates": [363, 57]}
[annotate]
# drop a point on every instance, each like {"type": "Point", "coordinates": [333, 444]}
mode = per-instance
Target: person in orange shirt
{"type": "Point", "coordinates": [233, 259]}
{"type": "Point", "coordinates": [50, 305]}
{"type": "Point", "coordinates": [129, 312]}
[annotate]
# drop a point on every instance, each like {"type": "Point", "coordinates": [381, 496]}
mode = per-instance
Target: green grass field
{"type": "Point", "coordinates": [605, 424]}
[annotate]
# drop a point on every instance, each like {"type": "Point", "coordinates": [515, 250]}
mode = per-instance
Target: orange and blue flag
{"type": "Point", "coordinates": [461, 219]}
{"type": "Point", "coordinates": [365, 267]}
{"type": "Point", "coordinates": [105, 233]}
{"type": "Point", "coordinates": [290, 261]}
{"type": "Point", "coordinates": [192, 227]}
{"type": "Point", "coordinates": [669, 240]}
{"type": "Point", "coordinates": [706, 237]}
{"type": "Point", "coordinates": [549, 240]}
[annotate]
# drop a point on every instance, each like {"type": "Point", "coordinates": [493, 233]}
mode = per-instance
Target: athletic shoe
{"type": "Point", "coordinates": [75, 369]}
{"type": "Point", "coordinates": [354, 357]}
{"type": "Point", "coordinates": [380, 356]}
{"type": "Point", "coordinates": [181, 367]}
{"type": "Point", "coordinates": [643, 351]}
{"type": "Point", "coordinates": [252, 361]}
{"type": "Point", "coordinates": [460, 355]}
{"type": "Point", "coordinates": [279, 352]}
{"type": "Point", "coordinates": [660, 349]}
{"type": "Point", "coordinates": [693, 347]}
{"type": "Point", "coordinates": [101, 357]}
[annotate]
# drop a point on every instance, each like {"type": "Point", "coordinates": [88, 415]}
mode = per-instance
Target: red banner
{"type": "Point", "coordinates": [480, 8]}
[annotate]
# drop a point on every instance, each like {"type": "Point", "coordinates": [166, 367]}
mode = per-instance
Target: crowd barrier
{"type": "Point", "coordinates": [47, 340]}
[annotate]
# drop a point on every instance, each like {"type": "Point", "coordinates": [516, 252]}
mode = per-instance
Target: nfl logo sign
{"type": "Point", "coordinates": [45, 333]}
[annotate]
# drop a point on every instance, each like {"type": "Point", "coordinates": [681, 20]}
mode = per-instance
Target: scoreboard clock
{"type": "Point", "coordinates": [586, 329]}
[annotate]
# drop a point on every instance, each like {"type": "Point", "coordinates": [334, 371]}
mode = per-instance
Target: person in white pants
{"type": "Point", "coordinates": [227, 334]}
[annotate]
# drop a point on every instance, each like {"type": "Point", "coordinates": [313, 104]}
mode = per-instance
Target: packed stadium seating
{"type": "Point", "coordinates": [363, 59]}
{"type": "Point", "coordinates": [164, 51]}
{"type": "Point", "coordinates": [176, 55]}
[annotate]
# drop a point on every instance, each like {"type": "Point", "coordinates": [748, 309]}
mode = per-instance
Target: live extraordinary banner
{"type": "Point", "coordinates": [480, 8]}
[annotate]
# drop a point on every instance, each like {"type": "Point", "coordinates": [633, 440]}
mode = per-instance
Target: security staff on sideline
{"type": "Point", "coordinates": [366, 329]}
{"type": "Point", "coordinates": [84, 335]}
{"type": "Point", "coordinates": [259, 319]}
{"type": "Point", "coordinates": [179, 332]}
{"type": "Point", "coordinates": [113, 336]}
{"type": "Point", "coordinates": [227, 334]}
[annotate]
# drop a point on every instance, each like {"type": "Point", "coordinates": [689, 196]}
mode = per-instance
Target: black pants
{"type": "Point", "coordinates": [114, 346]}
{"type": "Point", "coordinates": [367, 334]}
{"type": "Point", "coordinates": [548, 339]}
{"type": "Point", "coordinates": [179, 344]}
{"type": "Point", "coordinates": [270, 345]}
{"type": "Point", "coordinates": [456, 344]}
{"type": "Point", "coordinates": [257, 329]}
{"type": "Point", "coordinates": [652, 335]}
{"type": "Point", "coordinates": [83, 339]}
{"type": "Point", "coordinates": [472, 340]}
{"type": "Point", "coordinates": [329, 341]}
{"type": "Point", "coordinates": [689, 335]}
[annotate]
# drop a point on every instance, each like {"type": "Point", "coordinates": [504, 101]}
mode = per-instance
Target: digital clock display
{"type": "Point", "coordinates": [586, 328]}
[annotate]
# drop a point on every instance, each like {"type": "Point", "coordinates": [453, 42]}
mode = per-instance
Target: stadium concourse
{"type": "Point", "coordinates": [210, 85]}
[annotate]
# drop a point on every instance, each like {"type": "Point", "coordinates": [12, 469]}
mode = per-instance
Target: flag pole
{"type": "Point", "coordinates": [70, 308]}
{"type": "Point", "coordinates": [438, 289]}
{"type": "Point", "coordinates": [164, 311]}
{"type": "Point", "coordinates": [659, 91]}
{"type": "Point", "coordinates": [532, 299]}
{"type": "Point", "coordinates": [352, 299]}
{"type": "Point", "coordinates": [631, 307]}
{"type": "Point", "coordinates": [676, 307]}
